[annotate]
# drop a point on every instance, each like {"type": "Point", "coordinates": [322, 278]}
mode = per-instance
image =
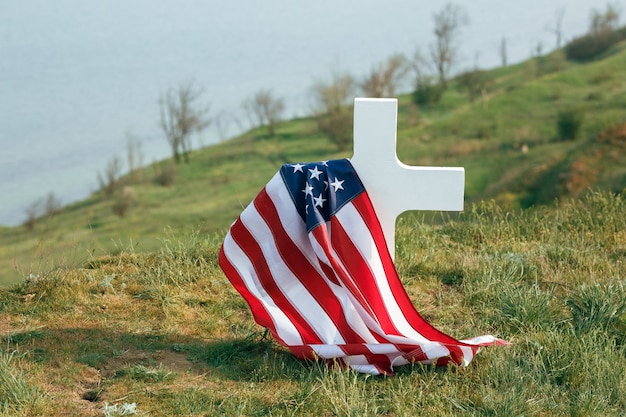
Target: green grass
{"type": "Point", "coordinates": [99, 312]}
{"type": "Point", "coordinates": [16, 391]}
{"type": "Point", "coordinates": [167, 332]}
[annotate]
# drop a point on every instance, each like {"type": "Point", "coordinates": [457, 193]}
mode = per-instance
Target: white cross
{"type": "Point", "coordinates": [393, 186]}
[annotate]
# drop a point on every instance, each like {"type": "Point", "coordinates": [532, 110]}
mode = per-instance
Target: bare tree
{"type": "Point", "coordinates": [384, 79]}
{"type": "Point", "coordinates": [180, 118]}
{"type": "Point", "coordinates": [333, 108]}
{"type": "Point", "coordinates": [605, 22]}
{"type": "Point", "coordinates": [557, 29]}
{"type": "Point", "coordinates": [110, 180]}
{"type": "Point", "coordinates": [538, 51]}
{"type": "Point", "coordinates": [265, 110]}
{"type": "Point", "coordinates": [164, 174]}
{"type": "Point", "coordinates": [503, 52]}
{"type": "Point", "coordinates": [221, 122]}
{"type": "Point", "coordinates": [134, 156]}
{"type": "Point", "coordinates": [33, 212]}
{"type": "Point", "coordinates": [427, 91]}
{"type": "Point", "coordinates": [52, 205]}
{"type": "Point", "coordinates": [448, 24]}
{"type": "Point", "coordinates": [419, 65]}
{"type": "Point", "coordinates": [123, 201]}
{"type": "Point", "coordinates": [40, 208]}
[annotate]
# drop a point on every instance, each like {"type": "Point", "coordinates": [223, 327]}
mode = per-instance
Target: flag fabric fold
{"type": "Point", "coordinates": [309, 257]}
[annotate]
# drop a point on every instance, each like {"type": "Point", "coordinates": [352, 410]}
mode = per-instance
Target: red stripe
{"type": "Point", "coordinates": [416, 355]}
{"type": "Point", "coordinates": [364, 206]}
{"type": "Point", "coordinates": [320, 235]}
{"type": "Point", "coordinates": [337, 271]}
{"type": "Point", "coordinates": [302, 269]}
{"type": "Point", "coordinates": [260, 314]}
{"type": "Point", "coordinates": [303, 352]}
{"type": "Point", "coordinates": [359, 270]}
{"type": "Point", "coordinates": [329, 273]}
{"type": "Point", "coordinates": [250, 246]}
{"type": "Point", "coordinates": [380, 361]}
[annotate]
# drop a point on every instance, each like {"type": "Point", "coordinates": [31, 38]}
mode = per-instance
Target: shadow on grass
{"type": "Point", "coordinates": [253, 357]}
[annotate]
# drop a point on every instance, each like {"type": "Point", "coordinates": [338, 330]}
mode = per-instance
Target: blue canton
{"type": "Point", "coordinates": [320, 189]}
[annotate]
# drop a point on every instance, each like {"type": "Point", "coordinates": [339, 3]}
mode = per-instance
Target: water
{"type": "Point", "coordinates": [77, 78]}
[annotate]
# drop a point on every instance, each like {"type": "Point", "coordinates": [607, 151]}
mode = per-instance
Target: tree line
{"type": "Point", "coordinates": [181, 115]}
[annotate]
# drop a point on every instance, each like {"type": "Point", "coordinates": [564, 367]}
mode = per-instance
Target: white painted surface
{"type": "Point", "coordinates": [393, 186]}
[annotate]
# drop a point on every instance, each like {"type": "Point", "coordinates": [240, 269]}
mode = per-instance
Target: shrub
{"type": "Point", "coordinates": [588, 47]}
{"type": "Point", "coordinates": [428, 93]}
{"type": "Point", "coordinates": [337, 126]}
{"type": "Point", "coordinates": [474, 81]}
{"type": "Point", "coordinates": [554, 62]}
{"type": "Point", "coordinates": [594, 96]}
{"type": "Point", "coordinates": [41, 208]}
{"type": "Point", "coordinates": [110, 180]}
{"type": "Point", "coordinates": [333, 108]}
{"type": "Point", "coordinates": [33, 213]}
{"type": "Point", "coordinates": [569, 123]}
{"type": "Point", "coordinates": [166, 175]}
{"type": "Point", "coordinates": [123, 201]}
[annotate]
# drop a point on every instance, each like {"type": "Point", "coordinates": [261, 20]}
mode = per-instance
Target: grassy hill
{"type": "Point", "coordinates": [507, 140]}
{"type": "Point", "coordinates": [165, 334]}
{"type": "Point", "coordinates": [100, 312]}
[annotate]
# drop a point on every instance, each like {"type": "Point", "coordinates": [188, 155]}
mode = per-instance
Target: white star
{"type": "Point", "coordinates": [319, 201]}
{"type": "Point", "coordinates": [308, 189]}
{"type": "Point", "coordinates": [315, 173]}
{"type": "Point", "coordinates": [298, 167]}
{"type": "Point", "coordinates": [325, 163]}
{"type": "Point", "coordinates": [337, 184]}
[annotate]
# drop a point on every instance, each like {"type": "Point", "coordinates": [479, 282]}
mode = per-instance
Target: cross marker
{"type": "Point", "coordinates": [395, 187]}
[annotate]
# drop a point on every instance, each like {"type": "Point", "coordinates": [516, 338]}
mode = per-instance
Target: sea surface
{"type": "Point", "coordinates": [79, 78]}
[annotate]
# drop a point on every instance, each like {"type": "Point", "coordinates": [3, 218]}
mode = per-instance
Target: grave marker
{"type": "Point", "coordinates": [393, 186]}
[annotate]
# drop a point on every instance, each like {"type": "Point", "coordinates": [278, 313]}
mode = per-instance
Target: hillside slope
{"type": "Point", "coordinates": [507, 141]}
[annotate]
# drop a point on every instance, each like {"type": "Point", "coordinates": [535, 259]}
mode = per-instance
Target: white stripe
{"type": "Point", "coordinates": [364, 315]}
{"type": "Point", "coordinates": [333, 351]}
{"type": "Point", "coordinates": [468, 355]}
{"type": "Point", "coordinates": [360, 363]}
{"type": "Point", "coordinates": [480, 340]}
{"type": "Point", "coordinates": [328, 351]}
{"type": "Point", "coordinates": [238, 259]}
{"type": "Point", "coordinates": [400, 360]}
{"type": "Point", "coordinates": [434, 350]}
{"type": "Point", "coordinates": [288, 283]}
{"type": "Point", "coordinates": [365, 369]}
{"type": "Point", "coordinates": [361, 238]}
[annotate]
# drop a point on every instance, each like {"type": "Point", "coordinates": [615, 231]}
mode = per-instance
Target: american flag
{"type": "Point", "coordinates": [309, 257]}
